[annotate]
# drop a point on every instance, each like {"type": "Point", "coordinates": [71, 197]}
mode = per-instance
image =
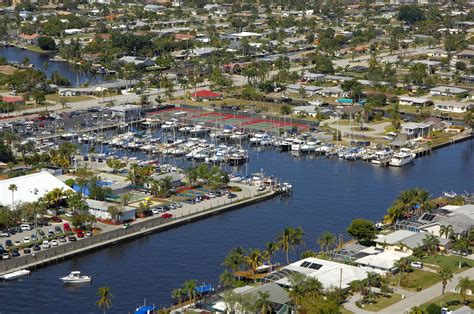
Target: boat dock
{"type": "Point", "coordinates": [423, 151]}
{"type": "Point", "coordinates": [138, 229]}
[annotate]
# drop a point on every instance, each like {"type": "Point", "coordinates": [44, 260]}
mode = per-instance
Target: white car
{"type": "Point", "coordinates": [155, 211]}
{"type": "Point", "coordinates": [418, 265]}
{"type": "Point", "coordinates": [54, 243]}
{"type": "Point", "coordinates": [46, 244]}
{"type": "Point", "coordinates": [5, 256]}
{"type": "Point", "coordinates": [211, 195]}
{"type": "Point", "coordinates": [26, 240]}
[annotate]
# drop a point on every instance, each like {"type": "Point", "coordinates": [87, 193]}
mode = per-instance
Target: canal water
{"type": "Point", "coordinates": [14, 54]}
{"type": "Point", "coordinates": [328, 194]}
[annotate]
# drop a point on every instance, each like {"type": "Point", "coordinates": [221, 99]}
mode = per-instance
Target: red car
{"type": "Point", "coordinates": [56, 219]}
{"type": "Point", "coordinates": [66, 227]}
{"type": "Point", "coordinates": [166, 215]}
{"type": "Point", "coordinates": [80, 234]}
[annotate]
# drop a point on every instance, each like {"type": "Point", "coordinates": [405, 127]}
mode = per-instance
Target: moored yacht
{"type": "Point", "coordinates": [403, 157]}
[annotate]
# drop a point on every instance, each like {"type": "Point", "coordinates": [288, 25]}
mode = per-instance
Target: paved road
{"type": "Point", "coordinates": [426, 295]}
{"type": "Point", "coordinates": [378, 129]}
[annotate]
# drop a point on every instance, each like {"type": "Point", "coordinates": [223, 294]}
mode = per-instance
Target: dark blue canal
{"type": "Point", "coordinates": [329, 193]}
{"type": "Point", "coordinates": [14, 54]}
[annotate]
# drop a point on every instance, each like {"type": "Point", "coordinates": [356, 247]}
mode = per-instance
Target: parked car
{"type": "Point", "coordinates": [5, 256]}
{"type": "Point", "coordinates": [71, 237]}
{"type": "Point", "coordinates": [58, 230]}
{"type": "Point", "coordinates": [211, 195]}
{"type": "Point", "coordinates": [88, 233]}
{"type": "Point", "coordinates": [418, 265]}
{"type": "Point", "coordinates": [5, 233]}
{"type": "Point", "coordinates": [54, 243]}
{"type": "Point", "coordinates": [17, 242]}
{"type": "Point", "coordinates": [127, 226]}
{"type": "Point", "coordinates": [56, 219]}
{"type": "Point", "coordinates": [205, 197]}
{"type": "Point", "coordinates": [80, 234]}
{"type": "Point", "coordinates": [8, 243]}
{"type": "Point", "coordinates": [155, 211]}
{"type": "Point", "coordinates": [231, 195]}
{"type": "Point", "coordinates": [261, 188]}
{"type": "Point", "coordinates": [36, 247]}
{"type": "Point", "coordinates": [15, 253]}
{"type": "Point", "coordinates": [166, 215]}
{"type": "Point", "coordinates": [66, 227]}
{"type": "Point", "coordinates": [26, 240]}
{"type": "Point", "coordinates": [25, 227]}
{"type": "Point", "coordinates": [177, 205]}
{"type": "Point", "coordinates": [62, 239]}
{"type": "Point", "coordinates": [26, 251]}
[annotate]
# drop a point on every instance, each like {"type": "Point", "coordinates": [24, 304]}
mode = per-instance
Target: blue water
{"type": "Point", "coordinates": [14, 54]}
{"type": "Point", "coordinates": [329, 193]}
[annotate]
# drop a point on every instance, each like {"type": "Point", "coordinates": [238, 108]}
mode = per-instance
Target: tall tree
{"type": "Point", "coordinates": [105, 298]}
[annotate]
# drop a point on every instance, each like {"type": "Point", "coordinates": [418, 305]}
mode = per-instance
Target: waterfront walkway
{"type": "Point", "coordinates": [138, 228]}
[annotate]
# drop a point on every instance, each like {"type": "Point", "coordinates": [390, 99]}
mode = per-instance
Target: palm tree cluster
{"type": "Point", "coordinates": [105, 298]}
{"type": "Point", "coordinates": [290, 239]}
{"type": "Point", "coordinates": [187, 292]}
{"type": "Point", "coordinates": [213, 176]}
{"type": "Point", "coordinates": [410, 202]}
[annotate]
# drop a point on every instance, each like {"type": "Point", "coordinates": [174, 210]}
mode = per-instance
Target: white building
{"type": "Point", "coordinates": [100, 210]}
{"type": "Point", "coordinates": [329, 273]}
{"type": "Point", "coordinates": [414, 101]}
{"type": "Point", "coordinates": [29, 188]}
{"type": "Point", "coordinates": [458, 107]}
{"type": "Point", "coordinates": [450, 91]}
{"type": "Point", "coordinates": [384, 261]}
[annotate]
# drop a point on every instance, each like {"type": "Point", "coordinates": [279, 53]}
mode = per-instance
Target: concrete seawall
{"type": "Point", "coordinates": [57, 254]}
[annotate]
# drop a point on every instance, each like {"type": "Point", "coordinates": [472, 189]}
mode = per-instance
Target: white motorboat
{"type": "Point", "coordinates": [382, 157]}
{"type": "Point", "coordinates": [75, 277]}
{"type": "Point", "coordinates": [16, 274]}
{"type": "Point", "coordinates": [403, 157]}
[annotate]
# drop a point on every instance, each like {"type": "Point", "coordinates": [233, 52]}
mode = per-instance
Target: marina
{"type": "Point", "coordinates": [170, 265]}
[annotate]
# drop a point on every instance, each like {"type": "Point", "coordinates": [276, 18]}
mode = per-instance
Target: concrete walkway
{"type": "Point", "coordinates": [426, 295]}
{"type": "Point", "coordinates": [350, 305]}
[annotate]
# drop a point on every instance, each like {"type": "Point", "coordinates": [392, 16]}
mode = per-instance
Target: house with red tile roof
{"type": "Point", "coordinates": [29, 39]}
{"type": "Point", "coordinates": [16, 101]}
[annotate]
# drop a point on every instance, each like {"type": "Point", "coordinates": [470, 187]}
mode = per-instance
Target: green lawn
{"type": "Point", "coordinates": [416, 278]}
{"type": "Point", "coordinates": [342, 310]}
{"type": "Point", "coordinates": [450, 296]}
{"type": "Point", "coordinates": [451, 262]}
{"type": "Point", "coordinates": [382, 303]}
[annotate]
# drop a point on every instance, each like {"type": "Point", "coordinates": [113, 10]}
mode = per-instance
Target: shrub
{"type": "Point", "coordinates": [46, 43]}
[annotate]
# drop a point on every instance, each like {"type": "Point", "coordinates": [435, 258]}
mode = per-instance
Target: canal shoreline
{"type": "Point", "coordinates": [140, 229]}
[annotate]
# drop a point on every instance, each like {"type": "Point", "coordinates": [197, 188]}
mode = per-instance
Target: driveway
{"type": "Point", "coordinates": [426, 295]}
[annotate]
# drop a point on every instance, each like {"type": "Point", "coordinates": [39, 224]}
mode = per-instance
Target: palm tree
{"type": "Point", "coordinates": [296, 239]}
{"type": "Point", "coordinates": [13, 187]}
{"type": "Point", "coordinates": [403, 266]}
{"type": "Point", "coordinates": [263, 302]}
{"type": "Point", "coordinates": [114, 212]}
{"type": "Point", "coordinates": [270, 249]}
{"type": "Point", "coordinates": [326, 240]}
{"type": "Point", "coordinates": [177, 294]}
{"type": "Point", "coordinates": [254, 260]}
{"type": "Point", "coordinates": [446, 231]}
{"type": "Point", "coordinates": [235, 259]}
{"type": "Point", "coordinates": [284, 241]}
{"type": "Point", "coordinates": [464, 284]}
{"type": "Point", "coordinates": [190, 288]}
{"type": "Point", "coordinates": [104, 302]}
{"type": "Point", "coordinates": [445, 274]}
{"type": "Point", "coordinates": [431, 242]}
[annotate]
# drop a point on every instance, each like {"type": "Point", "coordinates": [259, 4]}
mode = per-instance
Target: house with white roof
{"type": "Point", "coordinates": [329, 273]}
{"type": "Point", "coordinates": [450, 91]}
{"type": "Point", "coordinates": [414, 101]}
{"type": "Point", "coordinates": [453, 106]}
{"type": "Point", "coordinates": [384, 261]}
{"type": "Point", "coordinates": [29, 188]}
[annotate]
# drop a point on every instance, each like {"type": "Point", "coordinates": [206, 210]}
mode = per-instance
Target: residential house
{"type": "Point", "coordinates": [450, 91]}
{"type": "Point", "coordinates": [331, 92]}
{"type": "Point", "coordinates": [329, 273]}
{"type": "Point", "coordinates": [277, 296]}
{"type": "Point", "coordinates": [414, 101]}
{"type": "Point", "coordinates": [414, 130]}
{"type": "Point", "coordinates": [453, 106]}
{"type": "Point", "coordinates": [29, 39]}
{"type": "Point", "coordinates": [308, 89]}
{"type": "Point", "coordinates": [138, 61]}
{"type": "Point", "coordinates": [13, 100]}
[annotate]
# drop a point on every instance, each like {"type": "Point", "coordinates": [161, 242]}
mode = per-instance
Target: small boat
{"type": "Point", "coordinates": [451, 194]}
{"type": "Point", "coordinates": [75, 277]}
{"type": "Point", "coordinates": [16, 274]}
